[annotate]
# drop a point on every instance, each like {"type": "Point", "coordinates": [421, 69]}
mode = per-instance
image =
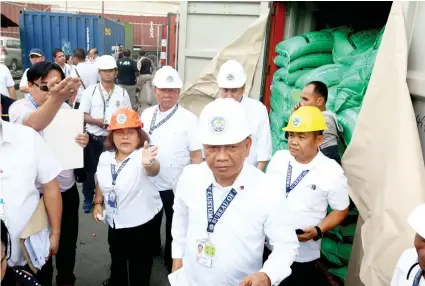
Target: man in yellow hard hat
{"type": "Point", "coordinates": [312, 182]}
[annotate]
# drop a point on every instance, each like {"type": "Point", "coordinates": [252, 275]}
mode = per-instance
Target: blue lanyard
{"type": "Point", "coordinates": [30, 98]}
{"type": "Point", "coordinates": [116, 173]}
{"type": "Point", "coordinates": [290, 187]}
{"type": "Point", "coordinates": [153, 126]}
{"type": "Point", "coordinates": [418, 277]}
{"type": "Point", "coordinates": [213, 218]}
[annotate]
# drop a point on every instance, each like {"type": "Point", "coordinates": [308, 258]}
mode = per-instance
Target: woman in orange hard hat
{"type": "Point", "coordinates": [127, 199]}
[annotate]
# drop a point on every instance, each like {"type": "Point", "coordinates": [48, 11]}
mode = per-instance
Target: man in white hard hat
{"type": "Point", "coordinates": [99, 102]}
{"type": "Point", "coordinates": [174, 129]}
{"type": "Point", "coordinates": [410, 269]}
{"type": "Point", "coordinates": [231, 80]}
{"type": "Point", "coordinates": [225, 207]}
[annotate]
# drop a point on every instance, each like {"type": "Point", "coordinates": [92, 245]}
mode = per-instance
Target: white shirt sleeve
{"type": "Point", "coordinates": [18, 112]}
{"type": "Point", "coordinates": [264, 139]}
{"type": "Point", "coordinates": [85, 103]}
{"type": "Point", "coordinates": [24, 80]}
{"type": "Point", "coordinates": [48, 168]}
{"type": "Point", "coordinates": [9, 79]}
{"type": "Point", "coordinates": [283, 239]}
{"type": "Point", "coordinates": [193, 136]}
{"type": "Point", "coordinates": [127, 102]}
{"type": "Point", "coordinates": [338, 196]}
{"type": "Point", "coordinates": [180, 218]}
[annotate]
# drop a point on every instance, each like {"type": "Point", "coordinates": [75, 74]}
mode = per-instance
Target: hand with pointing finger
{"type": "Point", "coordinates": [149, 154]}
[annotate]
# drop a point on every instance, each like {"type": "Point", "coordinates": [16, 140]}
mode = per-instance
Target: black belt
{"type": "Point", "coordinates": [97, 138]}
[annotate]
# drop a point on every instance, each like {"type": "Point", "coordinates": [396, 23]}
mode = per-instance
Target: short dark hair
{"type": "Point", "coordinates": [320, 88]}
{"type": "Point", "coordinates": [41, 69]}
{"type": "Point", "coordinates": [56, 51]}
{"type": "Point", "coordinates": [67, 57]}
{"type": "Point", "coordinates": [109, 141]}
{"type": "Point", "coordinates": [79, 53]}
{"type": "Point", "coordinates": [142, 53]}
{"type": "Point", "coordinates": [5, 240]}
{"type": "Point", "coordinates": [94, 50]}
{"type": "Point", "coordinates": [127, 53]}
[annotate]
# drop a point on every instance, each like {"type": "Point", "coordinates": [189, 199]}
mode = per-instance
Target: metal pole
{"type": "Point", "coordinates": [177, 41]}
{"type": "Point", "coordinates": [103, 9]}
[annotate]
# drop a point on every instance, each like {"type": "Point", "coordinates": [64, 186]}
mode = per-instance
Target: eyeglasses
{"type": "Point", "coordinates": [42, 87]}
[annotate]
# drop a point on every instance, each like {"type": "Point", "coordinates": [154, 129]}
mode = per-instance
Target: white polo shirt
{"type": "Point", "coordinates": [138, 200]}
{"type": "Point", "coordinates": [258, 119]}
{"type": "Point", "coordinates": [176, 138]}
{"type": "Point", "coordinates": [404, 265]}
{"type": "Point", "coordinates": [18, 111]}
{"type": "Point", "coordinates": [325, 184]}
{"type": "Point", "coordinates": [89, 75]}
{"type": "Point", "coordinates": [6, 80]}
{"type": "Point", "coordinates": [24, 82]}
{"type": "Point", "coordinates": [24, 159]}
{"type": "Point", "coordinates": [92, 103]}
{"type": "Point", "coordinates": [239, 234]}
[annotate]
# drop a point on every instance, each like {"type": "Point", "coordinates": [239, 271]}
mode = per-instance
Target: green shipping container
{"type": "Point", "coordinates": [129, 39]}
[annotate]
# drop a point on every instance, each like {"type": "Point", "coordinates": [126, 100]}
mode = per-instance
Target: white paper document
{"type": "Point", "coordinates": [60, 136]}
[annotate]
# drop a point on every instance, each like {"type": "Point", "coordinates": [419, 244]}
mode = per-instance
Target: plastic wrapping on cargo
{"type": "Point", "coordinates": [347, 119]}
{"type": "Point", "coordinates": [330, 103]}
{"type": "Point", "coordinates": [347, 45]}
{"type": "Point", "coordinates": [281, 92]}
{"type": "Point", "coordinates": [328, 74]}
{"type": "Point", "coordinates": [331, 248]}
{"type": "Point", "coordinates": [340, 272]}
{"type": "Point", "coordinates": [308, 43]}
{"type": "Point", "coordinates": [308, 61]}
{"type": "Point", "coordinates": [290, 78]}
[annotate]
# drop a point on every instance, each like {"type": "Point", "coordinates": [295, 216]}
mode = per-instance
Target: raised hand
{"type": "Point", "coordinates": [149, 154]}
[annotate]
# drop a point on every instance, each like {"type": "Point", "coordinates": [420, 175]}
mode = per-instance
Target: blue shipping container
{"type": "Point", "coordinates": [48, 31]}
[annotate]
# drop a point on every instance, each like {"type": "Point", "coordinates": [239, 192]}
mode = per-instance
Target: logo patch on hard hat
{"type": "Point", "coordinates": [230, 77]}
{"type": "Point", "coordinates": [121, 118]}
{"type": "Point", "coordinates": [218, 124]}
{"type": "Point", "coordinates": [170, 78]}
{"type": "Point", "coordinates": [296, 121]}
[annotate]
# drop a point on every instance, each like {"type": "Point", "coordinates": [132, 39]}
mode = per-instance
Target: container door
{"type": "Point", "coordinates": [113, 35]}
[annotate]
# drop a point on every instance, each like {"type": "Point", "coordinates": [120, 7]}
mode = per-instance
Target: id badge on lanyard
{"type": "Point", "coordinates": [205, 249]}
{"type": "Point", "coordinates": [289, 186]}
{"type": "Point", "coordinates": [113, 197]}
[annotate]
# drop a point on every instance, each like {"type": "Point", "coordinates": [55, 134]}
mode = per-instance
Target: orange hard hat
{"type": "Point", "coordinates": [124, 118]}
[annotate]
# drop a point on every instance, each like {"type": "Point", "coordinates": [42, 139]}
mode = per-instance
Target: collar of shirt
{"type": "Point", "coordinates": [239, 181]}
{"type": "Point", "coordinates": [105, 93]}
{"type": "Point", "coordinates": [313, 163]}
{"type": "Point", "coordinates": [407, 259]}
{"type": "Point", "coordinates": [164, 113]}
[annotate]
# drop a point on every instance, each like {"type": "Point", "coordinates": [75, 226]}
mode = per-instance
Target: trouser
{"type": "Point", "coordinates": [167, 198]}
{"type": "Point", "coordinates": [95, 149]}
{"type": "Point", "coordinates": [131, 254]}
{"type": "Point", "coordinates": [131, 90]}
{"type": "Point", "coordinates": [332, 152]}
{"type": "Point", "coordinates": [65, 258]}
{"type": "Point", "coordinates": [303, 274]}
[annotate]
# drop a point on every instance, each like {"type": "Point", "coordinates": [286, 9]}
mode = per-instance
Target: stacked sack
{"type": "Point", "coordinates": [297, 57]}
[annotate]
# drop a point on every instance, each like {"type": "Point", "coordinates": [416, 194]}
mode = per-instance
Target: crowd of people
{"type": "Point", "coordinates": [234, 214]}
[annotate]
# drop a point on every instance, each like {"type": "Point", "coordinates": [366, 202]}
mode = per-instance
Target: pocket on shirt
{"type": "Point", "coordinates": [317, 197]}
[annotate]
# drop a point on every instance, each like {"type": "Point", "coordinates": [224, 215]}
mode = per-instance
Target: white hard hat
{"type": "Point", "coordinates": [223, 122]}
{"type": "Point", "coordinates": [167, 77]}
{"type": "Point", "coordinates": [106, 62]}
{"type": "Point", "coordinates": [231, 75]}
{"type": "Point", "coordinates": [416, 220]}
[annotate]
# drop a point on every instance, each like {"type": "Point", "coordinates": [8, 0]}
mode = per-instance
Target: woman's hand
{"type": "Point", "coordinates": [149, 154]}
{"type": "Point", "coordinates": [97, 212]}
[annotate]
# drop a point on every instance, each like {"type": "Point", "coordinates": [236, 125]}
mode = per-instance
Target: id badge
{"type": "Point", "coordinates": [112, 202]}
{"type": "Point", "coordinates": [205, 252]}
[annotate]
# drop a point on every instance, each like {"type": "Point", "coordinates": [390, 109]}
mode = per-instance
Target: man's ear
{"type": "Point", "coordinates": [321, 101]}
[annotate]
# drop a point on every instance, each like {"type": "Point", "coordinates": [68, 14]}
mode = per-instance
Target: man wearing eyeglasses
{"type": "Point", "coordinates": [49, 89]}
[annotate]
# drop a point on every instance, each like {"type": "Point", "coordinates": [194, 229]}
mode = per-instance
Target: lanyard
{"type": "Point", "coordinates": [116, 173]}
{"type": "Point", "coordinates": [30, 98]}
{"type": "Point", "coordinates": [153, 126]}
{"type": "Point", "coordinates": [290, 187]}
{"type": "Point", "coordinates": [418, 277]}
{"type": "Point", "coordinates": [105, 102]}
{"type": "Point", "coordinates": [213, 218]}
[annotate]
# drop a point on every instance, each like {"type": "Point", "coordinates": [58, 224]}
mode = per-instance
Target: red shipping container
{"type": "Point", "coordinates": [172, 40]}
{"type": "Point", "coordinates": [12, 11]}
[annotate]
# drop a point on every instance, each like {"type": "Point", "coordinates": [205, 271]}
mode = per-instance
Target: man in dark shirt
{"type": "Point", "coordinates": [127, 76]}
{"type": "Point", "coordinates": [5, 102]}
{"type": "Point", "coordinates": [120, 51]}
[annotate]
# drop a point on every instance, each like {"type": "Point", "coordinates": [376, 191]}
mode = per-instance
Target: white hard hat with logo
{"type": "Point", "coordinates": [231, 75]}
{"type": "Point", "coordinates": [416, 220]}
{"type": "Point", "coordinates": [167, 77]}
{"type": "Point", "coordinates": [223, 122]}
{"type": "Point", "coordinates": [106, 62]}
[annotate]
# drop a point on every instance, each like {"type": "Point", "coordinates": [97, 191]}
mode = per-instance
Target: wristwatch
{"type": "Point", "coordinates": [319, 233]}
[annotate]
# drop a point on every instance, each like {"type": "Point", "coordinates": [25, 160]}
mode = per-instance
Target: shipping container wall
{"type": "Point", "coordinates": [48, 31]}
{"type": "Point", "coordinates": [113, 35]}
{"type": "Point", "coordinates": [129, 39]}
{"type": "Point", "coordinates": [12, 11]}
{"type": "Point", "coordinates": [145, 29]}
{"type": "Point", "coordinates": [172, 40]}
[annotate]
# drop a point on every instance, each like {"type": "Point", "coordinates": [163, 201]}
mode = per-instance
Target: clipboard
{"type": "Point", "coordinates": [36, 223]}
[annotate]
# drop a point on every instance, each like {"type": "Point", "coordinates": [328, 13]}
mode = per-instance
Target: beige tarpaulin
{"type": "Point", "coordinates": [246, 49]}
{"type": "Point", "coordinates": [384, 163]}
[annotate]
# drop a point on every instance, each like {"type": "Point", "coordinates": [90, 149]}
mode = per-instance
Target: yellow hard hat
{"type": "Point", "coordinates": [306, 119]}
